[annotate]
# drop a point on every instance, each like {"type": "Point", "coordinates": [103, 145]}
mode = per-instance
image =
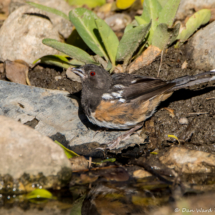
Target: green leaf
{"type": "Point", "coordinates": [70, 50]}
{"type": "Point", "coordinates": [162, 2]}
{"type": "Point", "coordinates": [56, 60]}
{"type": "Point", "coordinates": [131, 26]}
{"type": "Point", "coordinates": [89, 3]}
{"type": "Point", "coordinates": [140, 20]}
{"type": "Point", "coordinates": [75, 62]}
{"type": "Point", "coordinates": [49, 9]}
{"type": "Point", "coordinates": [75, 40]}
{"type": "Point", "coordinates": [84, 21]}
{"type": "Point", "coordinates": [130, 42]}
{"type": "Point", "coordinates": [69, 153]}
{"type": "Point", "coordinates": [77, 206]}
{"type": "Point", "coordinates": [109, 67]}
{"type": "Point", "coordinates": [167, 14]}
{"type": "Point", "coordinates": [194, 22]}
{"type": "Point", "coordinates": [151, 10]}
{"type": "Point", "coordinates": [174, 34]}
{"type": "Point", "coordinates": [39, 193]}
{"type": "Point", "coordinates": [109, 160]}
{"type": "Point", "coordinates": [109, 39]}
{"type": "Point", "coordinates": [164, 35]}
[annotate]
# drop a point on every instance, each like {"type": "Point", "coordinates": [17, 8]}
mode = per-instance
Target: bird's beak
{"type": "Point", "coordinates": [79, 71]}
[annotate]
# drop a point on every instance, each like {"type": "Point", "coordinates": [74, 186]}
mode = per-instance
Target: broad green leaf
{"type": "Point", "coordinates": [130, 42]}
{"type": "Point", "coordinates": [76, 40]}
{"type": "Point", "coordinates": [162, 2]}
{"type": "Point", "coordinates": [194, 22]}
{"type": "Point", "coordinates": [70, 50]}
{"type": "Point", "coordinates": [69, 153]}
{"type": "Point", "coordinates": [39, 193]}
{"type": "Point", "coordinates": [49, 9]}
{"type": "Point", "coordinates": [56, 60]}
{"type": "Point", "coordinates": [89, 3]}
{"type": "Point", "coordinates": [75, 62]}
{"type": "Point", "coordinates": [109, 39]}
{"type": "Point", "coordinates": [164, 35]}
{"type": "Point", "coordinates": [123, 4]}
{"type": "Point", "coordinates": [84, 21]}
{"type": "Point", "coordinates": [140, 20]}
{"type": "Point", "coordinates": [151, 10]}
{"type": "Point", "coordinates": [131, 26]}
{"type": "Point", "coordinates": [167, 14]}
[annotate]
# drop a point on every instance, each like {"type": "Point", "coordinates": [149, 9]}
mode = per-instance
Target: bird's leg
{"type": "Point", "coordinates": [113, 144]}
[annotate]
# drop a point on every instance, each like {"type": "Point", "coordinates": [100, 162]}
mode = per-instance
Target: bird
{"type": "Point", "coordinates": [124, 101]}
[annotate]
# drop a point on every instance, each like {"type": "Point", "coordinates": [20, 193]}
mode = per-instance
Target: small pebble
{"type": "Point", "coordinates": [57, 78]}
{"type": "Point", "coordinates": [183, 121]}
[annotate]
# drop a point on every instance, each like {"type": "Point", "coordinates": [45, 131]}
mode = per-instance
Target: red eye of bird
{"type": "Point", "coordinates": [92, 73]}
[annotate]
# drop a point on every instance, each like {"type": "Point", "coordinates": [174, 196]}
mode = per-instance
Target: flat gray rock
{"type": "Point", "coordinates": [56, 113]}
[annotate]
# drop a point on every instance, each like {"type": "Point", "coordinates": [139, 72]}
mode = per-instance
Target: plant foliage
{"type": "Point", "coordinates": [154, 28]}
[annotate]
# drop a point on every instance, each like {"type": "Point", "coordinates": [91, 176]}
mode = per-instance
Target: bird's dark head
{"type": "Point", "coordinates": [93, 76]}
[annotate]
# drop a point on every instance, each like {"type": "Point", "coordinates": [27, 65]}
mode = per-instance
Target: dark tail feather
{"type": "Point", "coordinates": [188, 81]}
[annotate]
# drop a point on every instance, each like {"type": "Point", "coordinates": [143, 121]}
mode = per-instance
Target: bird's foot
{"type": "Point", "coordinates": [113, 144]}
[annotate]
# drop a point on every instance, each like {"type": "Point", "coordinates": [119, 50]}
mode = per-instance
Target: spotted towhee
{"type": "Point", "coordinates": [124, 101]}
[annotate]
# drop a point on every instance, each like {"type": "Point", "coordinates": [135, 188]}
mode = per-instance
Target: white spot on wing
{"type": "Point", "coordinates": [134, 81]}
{"type": "Point", "coordinates": [107, 96]}
{"type": "Point", "coordinates": [119, 86]}
{"type": "Point", "coordinates": [122, 100]}
{"type": "Point", "coordinates": [116, 94]}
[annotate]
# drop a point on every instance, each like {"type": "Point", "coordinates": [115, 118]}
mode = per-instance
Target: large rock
{"type": "Point", "coordinates": [24, 150]}
{"type": "Point", "coordinates": [63, 26]}
{"type": "Point", "coordinates": [54, 112]}
{"type": "Point", "coordinates": [188, 7]}
{"type": "Point", "coordinates": [188, 161]}
{"type": "Point", "coordinates": [201, 48]}
{"type": "Point", "coordinates": [22, 33]}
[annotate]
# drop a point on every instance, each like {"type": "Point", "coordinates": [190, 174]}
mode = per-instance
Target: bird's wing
{"type": "Point", "coordinates": [127, 87]}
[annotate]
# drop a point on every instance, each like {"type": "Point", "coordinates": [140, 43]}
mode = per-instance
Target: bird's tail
{"type": "Point", "coordinates": [188, 81]}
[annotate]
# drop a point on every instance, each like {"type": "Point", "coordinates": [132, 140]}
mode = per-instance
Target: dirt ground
{"type": "Point", "coordinates": [195, 104]}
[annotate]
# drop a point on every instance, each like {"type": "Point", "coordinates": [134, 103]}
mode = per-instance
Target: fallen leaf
{"type": "Point", "coordinates": [171, 111]}
{"type": "Point", "coordinates": [39, 193]}
{"type": "Point", "coordinates": [147, 57]}
{"type": "Point", "coordinates": [1, 68]}
{"type": "Point", "coordinates": [174, 137]}
{"type": "Point", "coordinates": [17, 71]}
{"type": "Point", "coordinates": [118, 69]}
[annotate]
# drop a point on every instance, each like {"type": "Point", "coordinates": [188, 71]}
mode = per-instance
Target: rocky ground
{"type": "Point", "coordinates": [150, 169]}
